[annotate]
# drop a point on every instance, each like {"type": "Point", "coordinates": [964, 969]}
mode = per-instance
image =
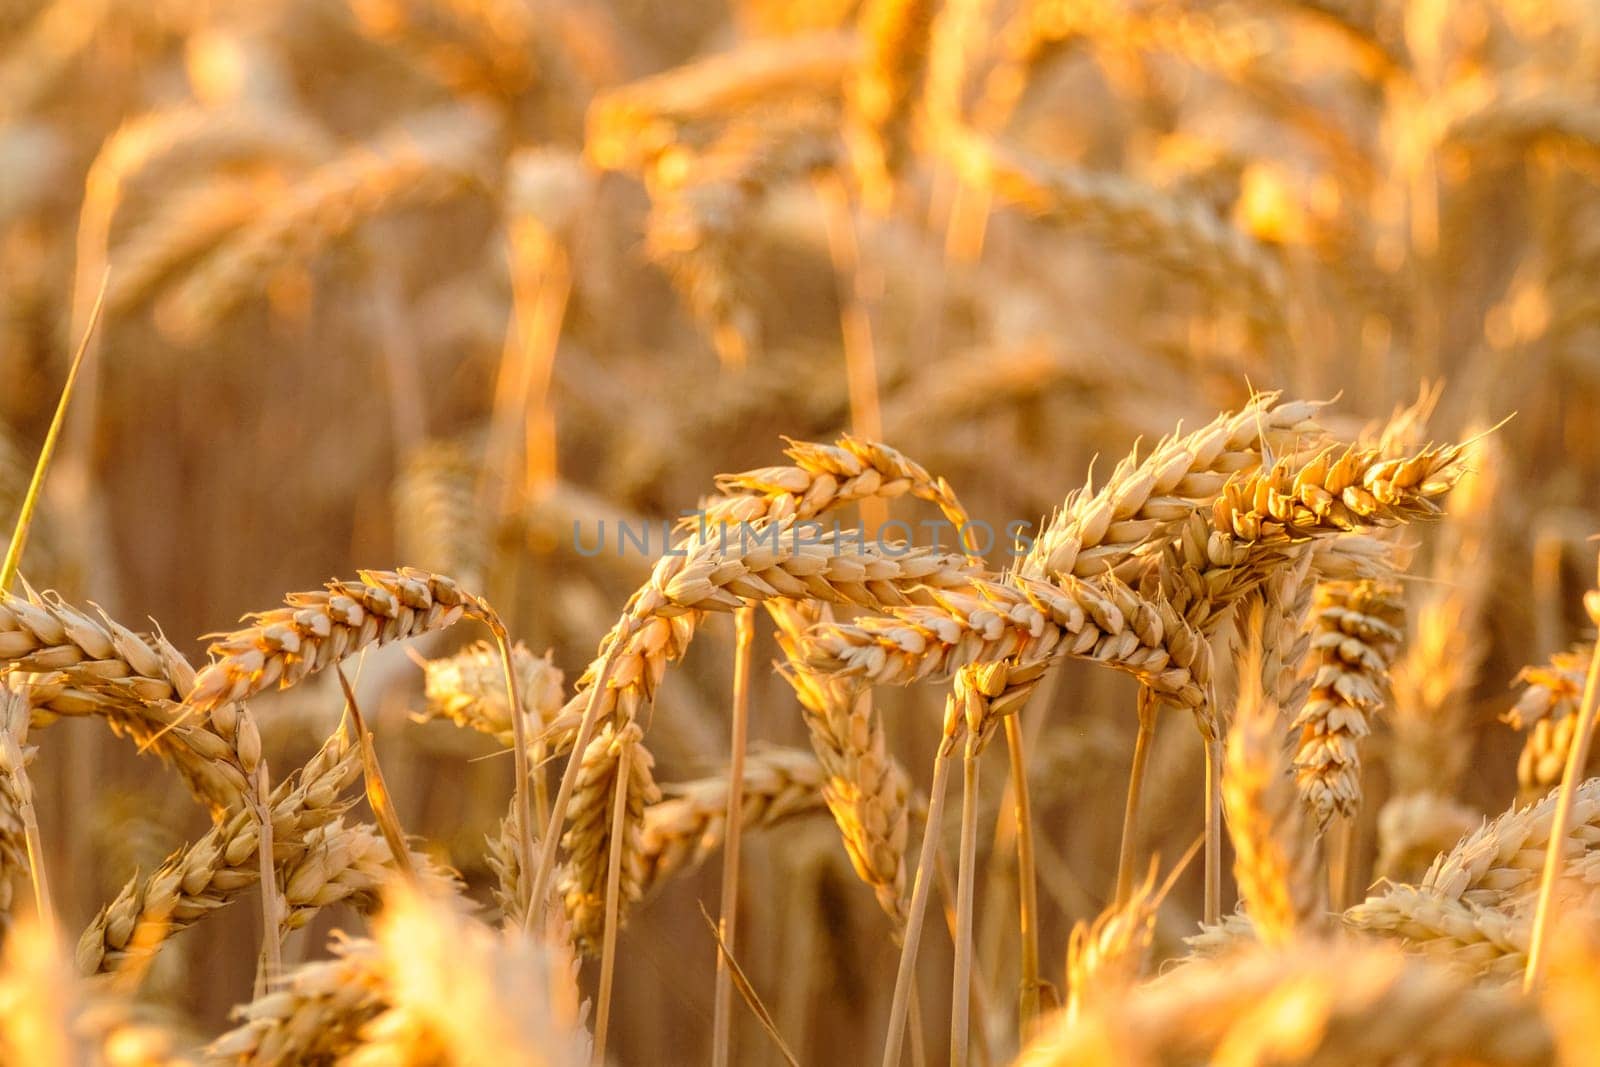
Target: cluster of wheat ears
{"type": "Point", "coordinates": [468, 287]}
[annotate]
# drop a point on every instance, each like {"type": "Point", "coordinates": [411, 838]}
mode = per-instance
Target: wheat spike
{"type": "Point", "coordinates": [77, 664]}
{"type": "Point", "coordinates": [468, 688]}
{"type": "Point", "coordinates": [1185, 239]}
{"type": "Point", "coordinates": [1322, 1004]}
{"type": "Point", "coordinates": [683, 830]}
{"type": "Point", "coordinates": [461, 993]}
{"type": "Point", "coordinates": [315, 1013]}
{"type": "Point", "coordinates": [434, 160]}
{"type": "Point", "coordinates": [588, 838]}
{"type": "Point", "coordinates": [1337, 489]}
{"type": "Point", "coordinates": [866, 789]}
{"type": "Point", "coordinates": [1144, 503]}
{"type": "Point", "coordinates": [317, 629]}
{"type": "Point", "coordinates": [1357, 631]}
{"type": "Point", "coordinates": [52, 1017]}
{"type": "Point", "coordinates": [435, 507]}
{"type": "Point", "coordinates": [209, 873]}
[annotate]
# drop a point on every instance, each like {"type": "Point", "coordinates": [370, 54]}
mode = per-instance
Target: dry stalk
{"type": "Point", "coordinates": [728, 923]}
{"type": "Point", "coordinates": [16, 796]}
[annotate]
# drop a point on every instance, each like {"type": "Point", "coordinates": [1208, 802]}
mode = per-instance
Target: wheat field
{"type": "Point", "coordinates": [1128, 471]}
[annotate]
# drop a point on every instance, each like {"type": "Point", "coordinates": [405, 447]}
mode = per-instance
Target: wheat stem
{"type": "Point", "coordinates": [19, 535]}
{"type": "Point", "coordinates": [728, 924]}
{"type": "Point", "coordinates": [569, 778]}
{"type": "Point", "coordinates": [961, 982]}
{"type": "Point", "coordinates": [1130, 815]}
{"type": "Point", "coordinates": [1213, 900]}
{"type": "Point", "coordinates": [906, 975]}
{"type": "Point", "coordinates": [608, 952]}
{"type": "Point", "coordinates": [1027, 880]}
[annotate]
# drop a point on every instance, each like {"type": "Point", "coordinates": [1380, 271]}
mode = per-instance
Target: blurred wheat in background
{"type": "Point", "coordinates": [1150, 618]}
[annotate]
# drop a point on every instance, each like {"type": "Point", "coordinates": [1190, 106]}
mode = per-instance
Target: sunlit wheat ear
{"type": "Point", "coordinates": [883, 93]}
{"type": "Point", "coordinates": [317, 1011]}
{"type": "Point", "coordinates": [1554, 877]}
{"type": "Point", "coordinates": [435, 498]}
{"type": "Point", "coordinates": [705, 217]}
{"type": "Point", "coordinates": [468, 689]}
{"type": "Point", "coordinates": [78, 663]}
{"type": "Point", "coordinates": [352, 864]}
{"type": "Point", "coordinates": [471, 995]}
{"type": "Point", "coordinates": [866, 789]}
{"type": "Point", "coordinates": [688, 825]}
{"type": "Point", "coordinates": [1356, 633]}
{"type": "Point", "coordinates": [488, 49]}
{"type": "Point", "coordinates": [1184, 239]}
{"type": "Point", "coordinates": [51, 1015]}
{"type": "Point", "coordinates": [1146, 500]}
{"type": "Point", "coordinates": [315, 630]}
{"type": "Point", "coordinates": [215, 869]}
{"type": "Point", "coordinates": [1547, 710]}
{"type": "Point", "coordinates": [1107, 957]}
{"type": "Point", "coordinates": [1322, 1003]}
{"type": "Point", "coordinates": [588, 839]}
